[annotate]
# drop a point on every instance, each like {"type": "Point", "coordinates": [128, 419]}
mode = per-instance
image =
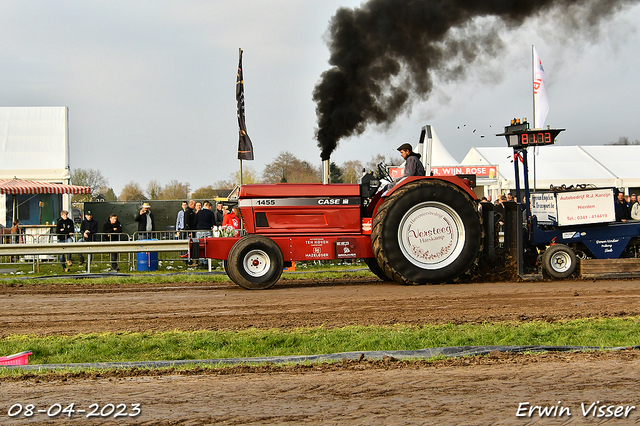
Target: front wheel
{"type": "Point", "coordinates": [255, 262]}
{"type": "Point", "coordinates": [559, 261]}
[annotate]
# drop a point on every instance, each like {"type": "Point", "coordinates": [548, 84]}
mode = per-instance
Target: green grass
{"type": "Point", "coordinates": [178, 345]}
{"type": "Point", "coordinates": [169, 271]}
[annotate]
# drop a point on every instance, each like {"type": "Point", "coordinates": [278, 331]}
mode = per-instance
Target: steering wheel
{"type": "Point", "coordinates": [383, 173]}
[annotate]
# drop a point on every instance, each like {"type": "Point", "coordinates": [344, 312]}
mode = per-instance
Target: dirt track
{"type": "Point", "coordinates": [485, 391]}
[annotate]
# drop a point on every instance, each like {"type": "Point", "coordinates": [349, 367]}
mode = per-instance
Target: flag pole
{"type": "Point", "coordinates": [245, 147]}
{"type": "Point", "coordinates": [533, 92]}
{"type": "Point", "coordinates": [240, 59]}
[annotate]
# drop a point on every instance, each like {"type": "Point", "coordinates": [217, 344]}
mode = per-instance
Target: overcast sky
{"type": "Point", "coordinates": [150, 85]}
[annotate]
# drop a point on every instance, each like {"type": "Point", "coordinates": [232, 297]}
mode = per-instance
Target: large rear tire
{"type": "Point", "coordinates": [428, 231]}
{"type": "Point", "coordinates": [372, 263]}
{"type": "Point", "coordinates": [255, 262]}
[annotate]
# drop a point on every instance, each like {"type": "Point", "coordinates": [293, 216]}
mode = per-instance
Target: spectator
{"type": "Point", "coordinates": [112, 229]}
{"type": "Point", "coordinates": [635, 211]}
{"type": "Point", "coordinates": [88, 231]}
{"type": "Point", "coordinates": [500, 210]}
{"type": "Point", "coordinates": [205, 220]}
{"type": "Point", "coordinates": [622, 211]}
{"type": "Point", "coordinates": [198, 207]}
{"type": "Point", "coordinates": [233, 219]}
{"type": "Point", "coordinates": [219, 214]}
{"type": "Point", "coordinates": [634, 199]}
{"type": "Point", "coordinates": [15, 237]}
{"type": "Point", "coordinates": [509, 197]}
{"type": "Point", "coordinates": [65, 230]}
{"type": "Point", "coordinates": [180, 225]}
{"type": "Point", "coordinates": [190, 215]}
{"type": "Point", "coordinates": [482, 200]}
{"type": "Point", "coordinates": [146, 223]}
{"type": "Point", "coordinates": [15, 231]}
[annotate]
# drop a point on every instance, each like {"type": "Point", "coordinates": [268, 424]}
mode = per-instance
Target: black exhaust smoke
{"type": "Point", "coordinates": [385, 54]}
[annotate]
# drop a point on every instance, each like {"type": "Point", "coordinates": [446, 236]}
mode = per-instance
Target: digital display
{"type": "Point", "coordinates": [523, 139]}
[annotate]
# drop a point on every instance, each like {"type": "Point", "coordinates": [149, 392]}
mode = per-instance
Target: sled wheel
{"type": "Point", "coordinates": [559, 261]}
{"type": "Point", "coordinates": [372, 263]}
{"type": "Point", "coordinates": [428, 231]}
{"type": "Point", "coordinates": [255, 262]}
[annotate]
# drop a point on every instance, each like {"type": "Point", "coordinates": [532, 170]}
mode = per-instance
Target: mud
{"type": "Point", "coordinates": [480, 390]}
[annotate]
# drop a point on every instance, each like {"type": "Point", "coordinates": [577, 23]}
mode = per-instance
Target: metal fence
{"type": "Point", "coordinates": [36, 249]}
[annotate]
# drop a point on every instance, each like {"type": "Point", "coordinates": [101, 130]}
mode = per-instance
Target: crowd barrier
{"type": "Point", "coordinates": [35, 249]}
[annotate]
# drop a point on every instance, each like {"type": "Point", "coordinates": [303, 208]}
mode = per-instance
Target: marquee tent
{"type": "Point", "coordinates": [602, 166]}
{"type": "Point", "coordinates": [22, 187]}
{"type": "Point", "coordinates": [27, 187]}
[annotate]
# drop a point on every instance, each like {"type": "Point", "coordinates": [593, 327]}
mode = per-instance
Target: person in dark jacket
{"type": "Point", "coordinates": [112, 229]}
{"type": "Point", "coordinates": [146, 224]}
{"type": "Point", "coordinates": [88, 231]}
{"type": "Point", "coordinates": [219, 214]}
{"type": "Point", "coordinates": [205, 220]}
{"type": "Point", "coordinates": [190, 216]}
{"type": "Point", "coordinates": [413, 166]}
{"type": "Point", "coordinates": [622, 210]}
{"type": "Point", "coordinates": [65, 230]}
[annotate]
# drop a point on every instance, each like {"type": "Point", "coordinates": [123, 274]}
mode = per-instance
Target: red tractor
{"type": "Point", "coordinates": [423, 230]}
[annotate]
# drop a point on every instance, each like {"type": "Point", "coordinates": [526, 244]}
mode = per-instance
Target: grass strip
{"type": "Point", "coordinates": [160, 277]}
{"type": "Point", "coordinates": [181, 345]}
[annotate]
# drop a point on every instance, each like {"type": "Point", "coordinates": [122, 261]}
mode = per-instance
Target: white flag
{"type": "Point", "coordinates": [540, 100]}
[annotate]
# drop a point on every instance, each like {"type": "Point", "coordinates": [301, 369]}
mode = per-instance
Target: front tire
{"type": "Point", "coordinates": [428, 231]}
{"type": "Point", "coordinates": [559, 261]}
{"type": "Point", "coordinates": [255, 262]}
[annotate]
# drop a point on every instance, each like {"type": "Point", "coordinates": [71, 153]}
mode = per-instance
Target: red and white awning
{"type": "Point", "coordinates": [21, 187]}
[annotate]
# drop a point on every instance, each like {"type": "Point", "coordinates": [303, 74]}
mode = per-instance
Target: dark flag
{"type": "Point", "coordinates": [245, 147]}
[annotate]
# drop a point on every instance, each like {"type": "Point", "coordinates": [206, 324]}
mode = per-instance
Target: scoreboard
{"type": "Point", "coordinates": [520, 136]}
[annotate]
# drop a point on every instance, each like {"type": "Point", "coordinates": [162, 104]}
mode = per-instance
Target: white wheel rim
{"type": "Point", "coordinates": [431, 235]}
{"type": "Point", "coordinates": [256, 263]}
{"type": "Point", "coordinates": [561, 261]}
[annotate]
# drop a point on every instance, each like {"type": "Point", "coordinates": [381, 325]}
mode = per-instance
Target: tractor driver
{"type": "Point", "coordinates": [413, 166]}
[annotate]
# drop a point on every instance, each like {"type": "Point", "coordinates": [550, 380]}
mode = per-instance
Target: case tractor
{"type": "Point", "coordinates": [422, 230]}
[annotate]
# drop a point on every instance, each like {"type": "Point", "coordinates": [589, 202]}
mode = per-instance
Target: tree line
{"type": "Point", "coordinates": [285, 168]}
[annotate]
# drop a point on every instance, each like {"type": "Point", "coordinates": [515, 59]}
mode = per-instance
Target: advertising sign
{"type": "Point", "coordinates": [588, 206]}
{"type": "Point", "coordinates": [543, 208]}
{"type": "Point", "coordinates": [480, 171]}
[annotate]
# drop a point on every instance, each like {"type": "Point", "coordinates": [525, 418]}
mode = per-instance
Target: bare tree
{"type": "Point", "coordinates": [175, 190]}
{"type": "Point", "coordinates": [624, 140]}
{"type": "Point", "coordinates": [154, 190]}
{"type": "Point", "coordinates": [132, 192]}
{"type": "Point", "coordinates": [87, 177]}
{"type": "Point", "coordinates": [287, 168]}
{"type": "Point", "coordinates": [351, 171]}
{"type": "Point", "coordinates": [372, 164]}
{"type": "Point", "coordinates": [109, 193]}
{"type": "Point", "coordinates": [249, 175]}
{"type": "Point", "coordinates": [225, 184]}
{"type": "Point", "coordinates": [204, 193]}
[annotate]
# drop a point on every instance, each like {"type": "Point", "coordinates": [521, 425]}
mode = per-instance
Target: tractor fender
{"type": "Point", "coordinates": [463, 184]}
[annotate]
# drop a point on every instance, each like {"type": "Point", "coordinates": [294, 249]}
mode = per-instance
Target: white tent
{"type": "Point", "coordinates": [602, 166]}
{"type": "Point", "coordinates": [440, 156]}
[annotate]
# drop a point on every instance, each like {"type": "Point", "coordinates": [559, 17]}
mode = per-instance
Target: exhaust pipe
{"type": "Point", "coordinates": [325, 171]}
